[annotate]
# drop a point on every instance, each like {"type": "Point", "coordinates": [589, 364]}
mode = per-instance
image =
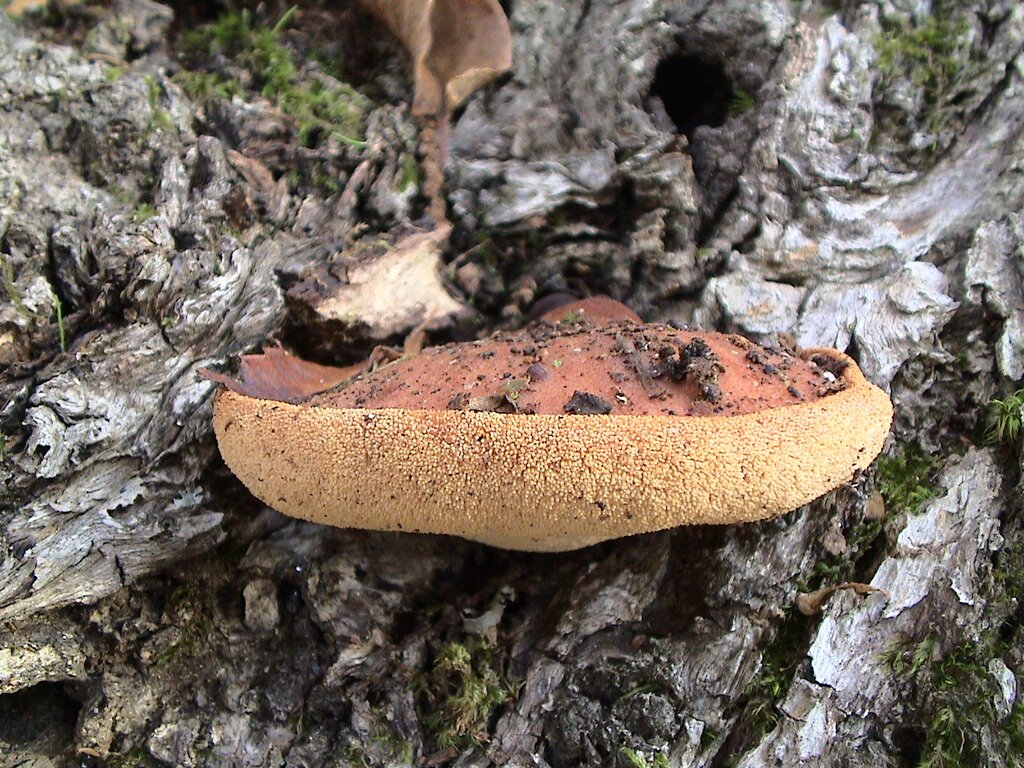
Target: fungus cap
{"type": "Point", "coordinates": [554, 481]}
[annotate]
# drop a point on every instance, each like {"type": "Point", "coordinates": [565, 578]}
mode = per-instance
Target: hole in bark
{"type": "Point", "coordinates": [39, 719]}
{"type": "Point", "coordinates": [909, 743]}
{"type": "Point", "coordinates": [693, 91]}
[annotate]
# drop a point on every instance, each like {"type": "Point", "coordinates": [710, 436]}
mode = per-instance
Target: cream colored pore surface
{"type": "Point", "coordinates": [546, 482]}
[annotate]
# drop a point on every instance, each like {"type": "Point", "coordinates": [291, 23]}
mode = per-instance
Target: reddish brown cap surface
{"type": "Point", "coordinates": [630, 368]}
{"type": "Point", "coordinates": [595, 309]}
{"type": "Point", "coordinates": [700, 428]}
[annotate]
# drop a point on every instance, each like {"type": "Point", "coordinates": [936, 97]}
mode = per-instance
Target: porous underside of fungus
{"type": "Point", "coordinates": [561, 436]}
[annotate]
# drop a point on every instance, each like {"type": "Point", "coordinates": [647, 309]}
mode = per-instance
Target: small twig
{"type": "Point", "coordinates": [463, 257]}
{"type": "Point", "coordinates": [636, 362]}
{"type": "Point", "coordinates": [106, 58]}
{"type": "Point", "coordinates": [433, 146]}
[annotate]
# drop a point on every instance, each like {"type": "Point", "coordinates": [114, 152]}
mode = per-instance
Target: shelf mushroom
{"type": "Point", "coordinates": [571, 432]}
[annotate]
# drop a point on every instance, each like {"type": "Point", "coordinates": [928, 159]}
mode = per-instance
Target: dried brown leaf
{"type": "Point", "coordinates": [277, 375]}
{"type": "Point", "coordinates": [456, 46]}
{"type": "Point", "coordinates": [358, 288]}
{"type": "Point", "coordinates": [17, 8]}
{"type": "Point", "coordinates": [811, 603]}
{"type": "Point", "coordinates": [875, 508]}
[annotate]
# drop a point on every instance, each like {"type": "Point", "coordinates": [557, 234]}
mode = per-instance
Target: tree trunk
{"type": "Point", "coordinates": [830, 174]}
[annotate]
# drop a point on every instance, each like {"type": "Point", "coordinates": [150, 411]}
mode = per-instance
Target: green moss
{"type": "Point", "coordinates": [410, 173]}
{"type": "Point", "coordinates": [828, 571]}
{"type": "Point", "coordinates": [457, 696]}
{"type": "Point", "coordinates": [187, 611]}
{"type": "Point", "coordinates": [905, 658]}
{"type": "Point", "coordinates": [11, 289]}
{"type": "Point", "coordinates": [384, 742]}
{"type": "Point", "coordinates": [906, 480]}
{"type": "Point", "coordinates": [740, 103]}
{"type": "Point", "coordinates": [778, 665]}
{"type": "Point", "coordinates": [703, 254]}
{"type": "Point", "coordinates": [394, 746]}
{"type": "Point", "coordinates": [486, 251]}
{"type": "Point", "coordinates": [1004, 419]}
{"type": "Point", "coordinates": [204, 86]}
{"type": "Point", "coordinates": [954, 691]}
{"type": "Point", "coordinates": [319, 110]}
{"type": "Point", "coordinates": [861, 539]}
{"type": "Point", "coordinates": [930, 54]}
{"type": "Point", "coordinates": [354, 753]}
{"type": "Point", "coordinates": [963, 726]}
{"type": "Point", "coordinates": [333, 63]}
{"type": "Point", "coordinates": [864, 539]}
{"type": "Point", "coordinates": [168, 655]}
{"type": "Point", "coordinates": [934, 55]}
{"type": "Point", "coordinates": [322, 111]}
{"type": "Point", "coordinates": [161, 118]}
{"type": "Point", "coordinates": [119, 193]}
{"type": "Point", "coordinates": [635, 759]}
{"type": "Point", "coordinates": [144, 212]}
{"type": "Point", "coordinates": [326, 182]}
{"type": "Point", "coordinates": [708, 736]}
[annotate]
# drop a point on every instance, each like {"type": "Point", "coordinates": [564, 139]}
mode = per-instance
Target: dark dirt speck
{"type": "Point", "coordinates": [587, 404]}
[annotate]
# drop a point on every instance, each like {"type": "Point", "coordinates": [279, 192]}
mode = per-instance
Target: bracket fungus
{"type": "Point", "coordinates": [578, 429]}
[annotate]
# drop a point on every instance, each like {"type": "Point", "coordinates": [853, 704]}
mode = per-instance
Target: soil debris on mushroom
{"type": "Point", "coordinates": [696, 359]}
{"type": "Point", "coordinates": [640, 366]}
{"type": "Point", "coordinates": [587, 404]}
{"type": "Point", "coordinates": [511, 440]}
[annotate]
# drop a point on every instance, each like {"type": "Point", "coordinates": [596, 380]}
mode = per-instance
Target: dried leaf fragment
{"type": "Point", "coordinates": [17, 8]}
{"type": "Point", "coordinates": [811, 603]}
{"type": "Point", "coordinates": [355, 295]}
{"type": "Point", "coordinates": [278, 375]}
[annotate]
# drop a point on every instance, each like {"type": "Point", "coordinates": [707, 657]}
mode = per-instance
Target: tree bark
{"type": "Point", "coordinates": [827, 174]}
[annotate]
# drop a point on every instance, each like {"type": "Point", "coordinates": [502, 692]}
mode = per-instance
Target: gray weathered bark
{"type": "Point", "coordinates": [831, 174]}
